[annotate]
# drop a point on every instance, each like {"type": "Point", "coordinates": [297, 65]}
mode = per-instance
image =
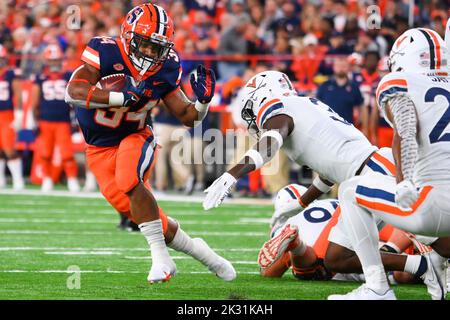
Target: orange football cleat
{"type": "Point", "coordinates": [274, 257]}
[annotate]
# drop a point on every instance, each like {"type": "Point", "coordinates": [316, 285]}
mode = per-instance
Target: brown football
{"type": "Point", "coordinates": [114, 82]}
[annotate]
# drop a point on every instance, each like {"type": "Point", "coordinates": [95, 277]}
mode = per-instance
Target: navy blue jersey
{"type": "Point", "coordinates": [6, 90]}
{"type": "Point", "coordinates": [108, 127]}
{"type": "Point", "coordinates": [52, 106]}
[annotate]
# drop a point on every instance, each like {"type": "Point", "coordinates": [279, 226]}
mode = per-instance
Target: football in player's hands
{"type": "Point", "coordinates": [203, 84]}
{"type": "Point", "coordinates": [113, 82]}
{"type": "Point", "coordinates": [120, 82]}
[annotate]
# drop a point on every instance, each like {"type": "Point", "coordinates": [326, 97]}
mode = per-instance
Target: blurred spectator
{"type": "Point", "coordinates": [307, 58]}
{"type": "Point", "coordinates": [233, 42]}
{"type": "Point", "coordinates": [343, 95]}
{"type": "Point", "coordinates": [32, 48]}
{"type": "Point", "coordinates": [165, 127]}
{"type": "Point", "coordinates": [290, 18]}
{"type": "Point", "coordinates": [368, 81]}
{"type": "Point", "coordinates": [338, 46]}
{"type": "Point", "coordinates": [269, 16]}
{"type": "Point", "coordinates": [380, 129]}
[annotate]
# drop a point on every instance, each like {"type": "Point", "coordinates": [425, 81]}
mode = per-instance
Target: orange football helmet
{"type": "Point", "coordinates": [53, 57]}
{"type": "Point", "coordinates": [147, 36]}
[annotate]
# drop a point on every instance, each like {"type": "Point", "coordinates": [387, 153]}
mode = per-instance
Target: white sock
{"type": "Point", "coordinates": [15, 166]}
{"type": "Point", "coordinates": [393, 246]}
{"type": "Point", "coordinates": [363, 235]}
{"type": "Point", "coordinates": [300, 249]}
{"type": "Point", "coordinates": [153, 232]}
{"type": "Point", "coordinates": [2, 173]}
{"type": "Point", "coordinates": [182, 242]}
{"type": "Point", "coordinates": [415, 264]}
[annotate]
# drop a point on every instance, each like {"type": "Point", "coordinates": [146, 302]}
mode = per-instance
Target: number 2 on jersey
{"type": "Point", "coordinates": [435, 134]}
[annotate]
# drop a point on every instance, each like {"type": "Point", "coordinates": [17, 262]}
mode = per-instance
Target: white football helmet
{"type": "Point", "coordinates": [286, 204]}
{"type": "Point", "coordinates": [419, 50]}
{"type": "Point", "coordinates": [262, 88]}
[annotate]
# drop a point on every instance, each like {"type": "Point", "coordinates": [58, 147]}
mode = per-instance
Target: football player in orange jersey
{"type": "Point", "coordinates": [9, 91]}
{"type": "Point", "coordinates": [53, 115]}
{"type": "Point", "coordinates": [117, 127]}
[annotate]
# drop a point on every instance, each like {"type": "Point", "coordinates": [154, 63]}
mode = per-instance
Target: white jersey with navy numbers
{"type": "Point", "coordinates": [312, 221]}
{"type": "Point", "coordinates": [321, 139]}
{"type": "Point", "coordinates": [431, 97]}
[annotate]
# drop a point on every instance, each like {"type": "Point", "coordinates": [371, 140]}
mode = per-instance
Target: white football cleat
{"type": "Point", "coordinates": [162, 271]}
{"type": "Point", "coordinates": [47, 185]}
{"type": "Point", "coordinates": [364, 293]}
{"type": "Point", "coordinates": [73, 185]}
{"type": "Point", "coordinates": [215, 263]}
{"type": "Point", "coordinates": [435, 276]}
{"type": "Point", "coordinates": [274, 249]}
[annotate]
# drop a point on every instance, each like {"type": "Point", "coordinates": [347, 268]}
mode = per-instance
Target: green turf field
{"type": "Point", "coordinates": [42, 236]}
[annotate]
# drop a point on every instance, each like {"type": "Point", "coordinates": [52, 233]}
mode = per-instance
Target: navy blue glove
{"type": "Point", "coordinates": [204, 85]}
{"type": "Point", "coordinates": [132, 92]}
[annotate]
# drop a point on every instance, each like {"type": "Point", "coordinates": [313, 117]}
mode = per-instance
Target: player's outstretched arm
{"type": "Point", "coordinates": [83, 92]}
{"type": "Point", "coordinates": [192, 113]}
{"type": "Point", "coordinates": [276, 129]}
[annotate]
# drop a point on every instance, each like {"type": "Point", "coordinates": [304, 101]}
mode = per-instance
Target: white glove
{"type": "Point", "coordinates": [405, 195]}
{"type": "Point", "coordinates": [291, 209]}
{"type": "Point", "coordinates": [219, 189]}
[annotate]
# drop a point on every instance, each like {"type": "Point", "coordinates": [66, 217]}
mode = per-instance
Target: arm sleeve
{"type": "Point", "coordinates": [405, 119]}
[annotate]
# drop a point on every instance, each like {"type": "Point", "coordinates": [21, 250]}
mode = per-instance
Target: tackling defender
{"type": "Point", "coordinates": [415, 99]}
{"type": "Point", "coordinates": [117, 127]}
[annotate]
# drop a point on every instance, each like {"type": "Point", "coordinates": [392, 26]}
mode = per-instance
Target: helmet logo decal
{"type": "Point", "coordinates": [261, 85]}
{"type": "Point", "coordinates": [134, 15]}
{"type": "Point", "coordinates": [252, 84]}
{"type": "Point", "coordinates": [399, 42]}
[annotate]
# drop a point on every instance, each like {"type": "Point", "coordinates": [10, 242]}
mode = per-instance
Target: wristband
{"type": "Point", "coordinates": [116, 99]}
{"type": "Point", "coordinates": [273, 134]}
{"type": "Point", "coordinates": [201, 107]}
{"type": "Point", "coordinates": [256, 157]}
{"type": "Point", "coordinates": [319, 184]}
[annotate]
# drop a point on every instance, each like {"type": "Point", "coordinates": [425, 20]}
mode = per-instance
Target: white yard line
{"type": "Point", "coordinates": [109, 271]}
{"type": "Point", "coordinates": [110, 212]}
{"type": "Point", "coordinates": [158, 196]}
{"type": "Point", "coordinates": [241, 221]}
{"type": "Point", "coordinates": [102, 233]}
{"type": "Point", "coordinates": [112, 249]}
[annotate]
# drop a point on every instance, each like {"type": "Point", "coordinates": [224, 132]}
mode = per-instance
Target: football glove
{"type": "Point", "coordinates": [219, 189]}
{"type": "Point", "coordinates": [132, 92]}
{"type": "Point", "coordinates": [405, 195]}
{"type": "Point", "coordinates": [204, 85]}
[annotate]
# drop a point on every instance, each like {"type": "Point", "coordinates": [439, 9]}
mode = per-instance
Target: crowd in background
{"type": "Point", "coordinates": [334, 50]}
